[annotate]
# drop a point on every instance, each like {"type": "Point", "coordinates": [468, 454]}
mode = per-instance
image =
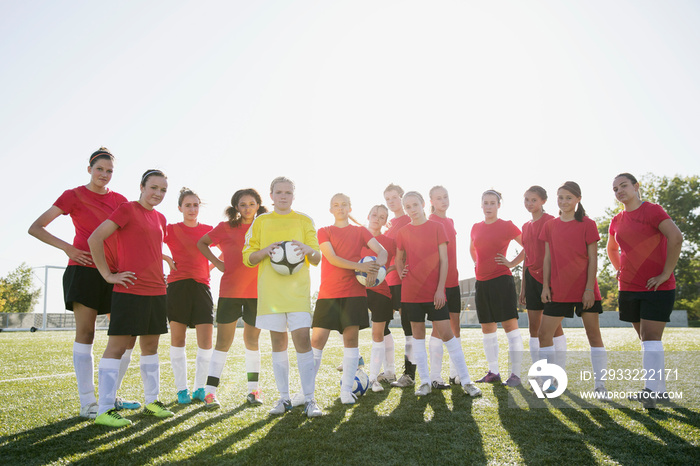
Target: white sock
{"type": "Point", "coordinates": [654, 365]}
{"type": "Point", "coordinates": [436, 354]}
{"type": "Point", "coordinates": [376, 359]}
{"type": "Point", "coordinates": [84, 365]}
{"type": "Point", "coordinates": [350, 359]}
{"type": "Point", "coordinates": [178, 360]}
{"type": "Point", "coordinates": [547, 353]}
{"type": "Point", "coordinates": [150, 374]}
{"type": "Point", "coordinates": [389, 355]}
{"type": "Point", "coordinates": [280, 368]}
{"type": "Point", "coordinates": [534, 349]}
{"type": "Point", "coordinates": [421, 356]}
{"type": "Point", "coordinates": [491, 351]}
{"type": "Point", "coordinates": [252, 368]}
{"type": "Point", "coordinates": [454, 348]}
{"type": "Point", "coordinates": [560, 348]}
{"type": "Point", "coordinates": [307, 374]}
{"type": "Point", "coordinates": [123, 366]}
{"type": "Point", "coordinates": [408, 349]}
{"type": "Point", "coordinates": [515, 351]}
{"type": "Point", "coordinates": [318, 356]}
{"type": "Point", "coordinates": [599, 361]}
{"type": "Point", "coordinates": [216, 368]}
{"type": "Point", "coordinates": [453, 370]}
{"type": "Point", "coordinates": [202, 367]}
{"type": "Point", "coordinates": [107, 375]}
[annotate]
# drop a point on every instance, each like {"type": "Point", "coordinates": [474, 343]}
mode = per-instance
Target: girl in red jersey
{"type": "Point", "coordinates": [189, 297]}
{"type": "Point", "coordinates": [238, 293]}
{"type": "Point", "coordinates": [569, 278]}
{"type": "Point", "coordinates": [86, 293]}
{"type": "Point", "coordinates": [421, 256]}
{"type": "Point", "coordinates": [644, 246]}
{"type": "Point", "coordinates": [496, 299]}
{"type": "Point", "coordinates": [342, 300]}
{"type": "Point", "coordinates": [531, 283]}
{"type": "Point", "coordinates": [139, 298]}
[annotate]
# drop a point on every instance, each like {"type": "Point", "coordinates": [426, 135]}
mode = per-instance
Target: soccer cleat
{"type": "Point", "coordinates": [347, 398]}
{"type": "Point", "coordinates": [376, 386]}
{"type": "Point", "coordinates": [311, 409]}
{"type": "Point", "coordinates": [254, 398]}
{"type": "Point", "coordinates": [281, 407]}
{"type": "Point", "coordinates": [404, 381]}
{"type": "Point", "coordinates": [513, 381]}
{"type": "Point", "coordinates": [386, 377]}
{"type": "Point", "coordinates": [298, 399]}
{"type": "Point", "coordinates": [199, 394]}
{"type": "Point", "coordinates": [210, 401]}
{"type": "Point", "coordinates": [645, 398]}
{"type": "Point", "coordinates": [601, 393]}
{"type": "Point", "coordinates": [490, 377]}
{"type": "Point", "coordinates": [439, 385]}
{"type": "Point", "coordinates": [455, 380]}
{"type": "Point", "coordinates": [112, 419]}
{"type": "Point", "coordinates": [340, 368]}
{"type": "Point", "coordinates": [471, 390]}
{"type": "Point", "coordinates": [552, 386]}
{"type": "Point", "coordinates": [183, 397]}
{"type": "Point", "coordinates": [120, 403]}
{"type": "Point", "coordinates": [89, 411]}
{"type": "Point", "coordinates": [157, 409]}
{"type": "Point", "coordinates": [360, 363]}
{"type": "Point", "coordinates": [424, 389]}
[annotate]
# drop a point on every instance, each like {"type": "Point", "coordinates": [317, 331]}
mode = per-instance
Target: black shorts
{"type": "Point", "coordinates": [339, 313]}
{"type": "Point", "coordinates": [533, 293]}
{"type": "Point", "coordinates": [416, 312]}
{"type": "Point", "coordinates": [86, 286]}
{"type": "Point", "coordinates": [396, 296]}
{"type": "Point", "coordinates": [138, 315]}
{"type": "Point", "coordinates": [496, 300]}
{"type": "Point", "coordinates": [648, 305]}
{"type": "Point", "coordinates": [190, 303]}
{"type": "Point", "coordinates": [381, 308]}
{"type": "Point", "coordinates": [567, 309]}
{"type": "Point", "coordinates": [229, 310]}
{"type": "Point", "coordinates": [454, 299]}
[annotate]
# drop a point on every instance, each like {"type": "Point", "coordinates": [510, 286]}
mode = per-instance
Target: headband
{"type": "Point", "coordinates": [100, 152]}
{"type": "Point", "coordinates": [491, 191]}
{"type": "Point", "coordinates": [149, 173]}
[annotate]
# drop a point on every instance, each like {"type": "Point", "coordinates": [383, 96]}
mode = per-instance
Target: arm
{"type": "Point", "coordinates": [613, 250]}
{"type": "Point", "coordinates": [96, 242]}
{"type": "Point", "coordinates": [547, 273]}
{"type": "Point", "coordinates": [440, 299]}
{"type": "Point", "coordinates": [673, 252]}
{"type": "Point", "coordinates": [501, 259]}
{"type": "Point", "coordinates": [472, 251]}
{"type": "Point", "coordinates": [39, 231]}
{"type": "Point", "coordinates": [203, 246]}
{"type": "Point", "coordinates": [311, 254]}
{"type": "Point", "coordinates": [400, 263]}
{"type": "Point", "coordinates": [521, 296]}
{"type": "Point", "coordinates": [170, 262]}
{"type": "Point", "coordinates": [588, 294]}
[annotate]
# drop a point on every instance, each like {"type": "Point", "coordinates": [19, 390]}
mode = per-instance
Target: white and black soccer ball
{"type": "Point", "coordinates": [360, 384]}
{"type": "Point", "coordinates": [286, 260]}
{"type": "Point", "coordinates": [362, 277]}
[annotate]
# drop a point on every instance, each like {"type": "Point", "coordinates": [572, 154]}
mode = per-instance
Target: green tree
{"type": "Point", "coordinates": [17, 290]}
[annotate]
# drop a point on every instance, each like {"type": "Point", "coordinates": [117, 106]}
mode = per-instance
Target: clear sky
{"type": "Point", "coordinates": [342, 96]}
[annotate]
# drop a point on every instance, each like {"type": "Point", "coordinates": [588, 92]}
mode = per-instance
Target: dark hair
{"type": "Point", "coordinates": [149, 173]}
{"type": "Point", "coordinates": [575, 189]}
{"type": "Point", "coordinates": [394, 187]}
{"type": "Point", "coordinates": [539, 190]}
{"type": "Point", "coordinates": [493, 192]}
{"type": "Point", "coordinates": [101, 153]}
{"type": "Point", "coordinates": [234, 216]}
{"type": "Point", "coordinates": [184, 192]}
{"type": "Point", "coordinates": [629, 176]}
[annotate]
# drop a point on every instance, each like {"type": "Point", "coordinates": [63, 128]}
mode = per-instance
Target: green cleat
{"type": "Point", "coordinates": [157, 409]}
{"type": "Point", "coordinates": [112, 419]}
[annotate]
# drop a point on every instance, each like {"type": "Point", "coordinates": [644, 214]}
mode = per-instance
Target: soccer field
{"type": "Point", "coordinates": [39, 423]}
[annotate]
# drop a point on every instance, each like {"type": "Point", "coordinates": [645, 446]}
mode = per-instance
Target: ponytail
{"type": "Point", "coordinates": [580, 212]}
{"type": "Point", "coordinates": [575, 189]}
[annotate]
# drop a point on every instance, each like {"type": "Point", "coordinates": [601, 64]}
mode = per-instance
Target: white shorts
{"type": "Point", "coordinates": [280, 322]}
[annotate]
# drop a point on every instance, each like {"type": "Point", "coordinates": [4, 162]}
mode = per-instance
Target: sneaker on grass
{"type": "Point", "coordinates": [112, 418]}
{"type": "Point", "coordinates": [157, 409]}
{"type": "Point", "coordinates": [183, 397]}
{"type": "Point", "coordinates": [281, 407]}
{"type": "Point", "coordinates": [471, 390]}
{"type": "Point", "coordinates": [386, 377]}
{"type": "Point", "coordinates": [404, 381]}
{"type": "Point", "coordinates": [120, 403]}
{"type": "Point", "coordinates": [645, 397]}
{"type": "Point", "coordinates": [311, 409]}
{"type": "Point", "coordinates": [199, 394]}
{"type": "Point", "coordinates": [455, 380]}
{"type": "Point", "coordinates": [89, 411]}
{"type": "Point", "coordinates": [424, 389]}
{"type": "Point", "coordinates": [439, 385]}
{"type": "Point", "coordinates": [602, 393]}
{"type": "Point", "coordinates": [513, 381]}
{"type": "Point", "coordinates": [490, 377]}
{"type": "Point", "coordinates": [254, 398]}
{"type": "Point", "coordinates": [210, 401]}
{"type": "Point", "coordinates": [376, 386]}
{"type": "Point", "coordinates": [347, 398]}
{"type": "Point", "coordinates": [298, 399]}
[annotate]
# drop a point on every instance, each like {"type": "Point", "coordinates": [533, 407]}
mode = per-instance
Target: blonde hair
{"type": "Point", "coordinates": [281, 179]}
{"type": "Point", "coordinates": [347, 198]}
{"type": "Point", "coordinates": [394, 187]}
{"type": "Point", "coordinates": [415, 194]}
{"type": "Point", "coordinates": [430, 195]}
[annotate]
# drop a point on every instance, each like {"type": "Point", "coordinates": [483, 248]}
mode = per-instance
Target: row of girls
{"type": "Point", "coordinates": [420, 253]}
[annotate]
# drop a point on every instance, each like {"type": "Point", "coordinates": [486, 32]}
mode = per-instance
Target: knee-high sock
{"type": "Point", "coordinates": [123, 366]}
{"type": "Point", "coordinates": [453, 369]}
{"type": "Point", "coordinates": [318, 357]}
{"type": "Point", "coordinates": [252, 368]}
{"type": "Point", "coordinates": [178, 360]}
{"type": "Point", "coordinates": [376, 359]}
{"type": "Point", "coordinates": [599, 361]}
{"type": "Point", "coordinates": [350, 360]}
{"type": "Point", "coordinates": [216, 368]}
{"type": "Point", "coordinates": [421, 356]}
{"type": "Point", "coordinates": [84, 365]}
{"type": "Point", "coordinates": [436, 354]}
{"type": "Point", "coordinates": [515, 351]}
{"type": "Point", "coordinates": [408, 348]}
{"type": "Point", "coordinates": [107, 375]}
{"type": "Point", "coordinates": [454, 348]}
{"type": "Point", "coordinates": [547, 353]}
{"type": "Point", "coordinates": [654, 365]}
{"type": "Point", "coordinates": [202, 367]}
{"type": "Point", "coordinates": [560, 351]}
{"type": "Point", "coordinates": [491, 351]}
{"type": "Point", "coordinates": [150, 374]}
{"type": "Point", "coordinates": [389, 355]}
{"type": "Point", "coordinates": [307, 374]}
{"type": "Point", "coordinates": [534, 349]}
{"type": "Point", "coordinates": [280, 368]}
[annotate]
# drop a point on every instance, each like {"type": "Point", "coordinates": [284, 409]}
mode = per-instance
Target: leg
{"type": "Point", "coordinates": [491, 351]}
{"type": "Point", "coordinates": [653, 354]}
{"type": "Point", "coordinates": [534, 318]}
{"type": "Point", "coordinates": [178, 359]}
{"type": "Point", "coordinates": [515, 350]}
{"type": "Point", "coordinates": [204, 355]}
{"type": "Point", "coordinates": [150, 367]}
{"type": "Point", "coordinates": [251, 335]}
{"type": "Point", "coordinates": [351, 355]}
{"type": "Point", "coordinates": [378, 353]}
{"type": "Point", "coordinates": [435, 351]}
{"type": "Point", "coordinates": [305, 362]}
{"type": "Point", "coordinates": [83, 360]}
{"type": "Point", "coordinates": [319, 338]}
{"type": "Point", "coordinates": [420, 353]}
{"type": "Point", "coordinates": [599, 358]}
{"type": "Point", "coordinates": [224, 340]}
{"type": "Point", "coordinates": [108, 371]}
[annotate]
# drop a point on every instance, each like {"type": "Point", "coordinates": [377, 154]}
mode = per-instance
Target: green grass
{"type": "Point", "coordinates": [38, 422]}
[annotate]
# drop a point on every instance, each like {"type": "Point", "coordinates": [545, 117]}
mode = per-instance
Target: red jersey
{"type": "Point", "coordinates": [390, 246]}
{"type": "Point", "coordinates": [141, 233]}
{"type": "Point", "coordinates": [490, 239]}
{"type": "Point", "coordinates": [182, 242]}
{"type": "Point", "coordinates": [238, 281]}
{"type": "Point", "coordinates": [347, 243]}
{"type": "Point", "coordinates": [393, 228]}
{"type": "Point", "coordinates": [534, 246]}
{"type": "Point", "coordinates": [568, 251]}
{"type": "Point", "coordinates": [88, 210]}
{"type": "Point", "coordinates": [642, 247]}
{"type": "Point", "coordinates": [452, 273]}
{"type": "Point", "coordinates": [420, 244]}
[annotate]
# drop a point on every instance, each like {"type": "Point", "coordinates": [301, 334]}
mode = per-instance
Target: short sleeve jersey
{"type": "Point", "coordinates": [452, 272]}
{"type": "Point", "coordinates": [394, 226]}
{"type": "Point", "coordinates": [238, 281]}
{"type": "Point", "coordinates": [141, 233]}
{"type": "Point", "coordinates": [182, 242]}
{"type": "Point", "coordinates": [88, 210]}
{"type": "Point", "coordinates": [347, 243]}
{"type": "Point", "coordinates": [420, 244]}
{"type": "Point", "coordinates": [279, 293]}
{"type": "Point", "coordinates": [568, 243]}
{"type": "Point", "coordinates": [642, 247]}
{"type": "Point", "coordinates": [490, 239]}
{"type": "Point", "coordinates": [534, 246]}
{"type": "Point", "coordinates": [390, 246]}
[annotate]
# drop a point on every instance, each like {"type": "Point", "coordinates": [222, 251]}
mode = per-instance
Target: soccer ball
{"type": "Point", "coordinates": [362, 277]}
{"type": "Point", "coordinates": [286, 260]}
{"type": "Point", "coordinates": [360, 384]}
